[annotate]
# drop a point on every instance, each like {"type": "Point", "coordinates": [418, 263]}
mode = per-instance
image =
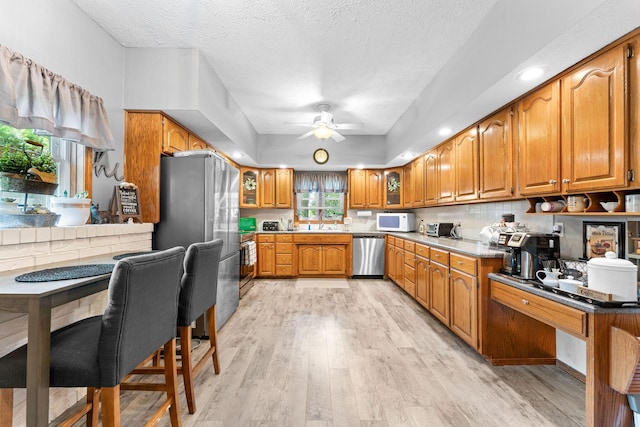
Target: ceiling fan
{"type": "Point", "coordinates": [324, 127]}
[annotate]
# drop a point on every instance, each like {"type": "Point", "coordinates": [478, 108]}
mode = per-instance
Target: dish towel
{"type": "Point", "coordinates": [249, 253]}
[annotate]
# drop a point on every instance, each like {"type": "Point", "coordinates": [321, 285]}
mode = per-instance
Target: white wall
{"type": "Point", "coordinates": [58, 36]}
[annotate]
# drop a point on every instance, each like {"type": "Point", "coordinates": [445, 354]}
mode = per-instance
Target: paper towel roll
{"type": "Point", "coordinates": [364, 213]}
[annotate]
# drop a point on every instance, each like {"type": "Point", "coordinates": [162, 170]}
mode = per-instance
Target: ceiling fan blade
{"type": "Point", "coordinates": [306, 125]}
{"type": "Point", "coordinates": [306, 135]}
{"type": "Point", "coordinates": [326, 117]}
{"type": "Point", "coordinates": [337, 137]}
{"type": "Point", "coordinates": [348, 126]}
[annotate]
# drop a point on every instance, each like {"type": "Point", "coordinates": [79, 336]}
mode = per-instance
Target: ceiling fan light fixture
{"type": "Point", "coordinates": [323, 132]}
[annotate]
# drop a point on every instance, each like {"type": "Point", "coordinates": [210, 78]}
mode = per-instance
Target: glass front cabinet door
{"type": "Point", "coordinates": [393, 188]}
{"type": "Point", "coordinates": [249, 184]}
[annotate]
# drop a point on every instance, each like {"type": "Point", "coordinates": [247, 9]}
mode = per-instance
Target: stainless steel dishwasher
{"type": "Point", "coordinates": [368, 255]}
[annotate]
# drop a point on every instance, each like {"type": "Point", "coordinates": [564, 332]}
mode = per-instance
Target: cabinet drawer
{"type": "Point", "coordinates": [409, 258]}
{"type": "Point", "coordinates": [319, 239]}
{"type": "Point", "coordinates": [440, 256]}
{"type": "Point", "coordinates": [284, 259]}
{"type": "Point", "coordinates": [409, 273]}
{"type": "Point", "coordinates": [265, 238]}
{"type": "Point", "coordinates": [399, 243]}
{"type": "Point", "coordinates": [284, 270]}
{"type": "Point", "coordinates": [409, 246]}
{"type": "Point", "coordinates": [464, 263]}
{"type": "Point", "coordinates": [552, 313]}
{"type": "Point", "coordinates": [284, 248]}
{"type": "Point", "coordinates": [391, 240]}
{"type": "Point", "coordinates": [422, 250]}
{"type": "Point", "coordinates": [284, 238]}
{"type": "Point", "coordinates": [410, 287]}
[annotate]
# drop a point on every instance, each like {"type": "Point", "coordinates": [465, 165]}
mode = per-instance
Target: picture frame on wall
{"type": "Point", "coordinates": [601, 237]}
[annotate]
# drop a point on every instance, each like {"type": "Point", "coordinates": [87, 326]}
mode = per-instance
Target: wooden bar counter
{"type": "Point", "coordinates": [522, 323]}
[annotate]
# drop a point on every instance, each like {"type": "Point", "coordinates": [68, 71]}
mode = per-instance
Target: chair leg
{"type": "Point", "coordinates": [6, 407]}
{"type": "Point", "coordinates": [93, 398]}
{"type": "Point", "coordinates": [213, 337]}
{"type": "Point", "coordinates": [187, 366]}
{"type": "Point", "coordinates": [171, 381]}
{"type": "Point", "coordinates": [111, 406]}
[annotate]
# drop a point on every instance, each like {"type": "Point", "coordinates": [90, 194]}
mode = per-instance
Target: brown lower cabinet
{"type": "Point", "coordinates": [453, 287]}
{"type": "Point", "coordinates": [303, 255]}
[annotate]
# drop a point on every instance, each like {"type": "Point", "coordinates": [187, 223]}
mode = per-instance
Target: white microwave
{"type": "Point", "coordinates": [396, 222]}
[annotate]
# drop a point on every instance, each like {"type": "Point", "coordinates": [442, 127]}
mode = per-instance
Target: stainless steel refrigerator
{"type": "Point", "coordinates": [199, 201]}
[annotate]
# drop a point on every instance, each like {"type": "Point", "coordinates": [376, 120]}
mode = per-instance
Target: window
{"type": "Point", "coordinates": [55, 155]}
{"type": "Point", "coordinates": [318, 206]}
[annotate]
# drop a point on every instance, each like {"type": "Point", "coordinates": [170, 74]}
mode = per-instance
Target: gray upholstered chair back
{"type": "Point", "coordinates": [141, 311]}
{"type": "Point", "coordinates": [199, 281]}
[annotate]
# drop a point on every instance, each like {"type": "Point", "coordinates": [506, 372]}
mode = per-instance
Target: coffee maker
{"type": "Point", "coordinates": [529, 250]}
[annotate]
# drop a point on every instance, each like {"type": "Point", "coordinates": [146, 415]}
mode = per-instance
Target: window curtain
{"type": "Point", "coordinates": [32, 97]}
{"type": "Point", "coordinates": [323, 182]}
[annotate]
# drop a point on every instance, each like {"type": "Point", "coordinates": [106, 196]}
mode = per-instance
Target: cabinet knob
{"type": "Point", "coordinates": [460, 262]}
{"type": "Point", "coordinates": [552, 181]}
{"type": "Point", "coordinates": [566, 181]}
{"type": "Point", "coordinates": [525, 302]}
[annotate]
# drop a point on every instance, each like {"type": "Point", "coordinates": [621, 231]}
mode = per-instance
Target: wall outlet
{"type": "Point", "coordinates": [558, 228]}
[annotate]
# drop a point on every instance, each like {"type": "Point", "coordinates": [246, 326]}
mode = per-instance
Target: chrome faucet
{"type": "Point", "coordinates": [321, 224]}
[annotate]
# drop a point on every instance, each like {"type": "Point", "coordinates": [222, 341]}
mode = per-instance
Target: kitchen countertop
{"type": "Point", "coordinates": [468, 247]}
{"type": "Point", "coordinates": [565, 300]}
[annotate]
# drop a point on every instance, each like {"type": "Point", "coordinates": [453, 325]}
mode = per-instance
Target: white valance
{"type": "Point", "coordinates": [32, 97]}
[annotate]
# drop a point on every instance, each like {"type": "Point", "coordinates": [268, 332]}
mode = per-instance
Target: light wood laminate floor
{"type": "Point", "coordinates": [363, 356]}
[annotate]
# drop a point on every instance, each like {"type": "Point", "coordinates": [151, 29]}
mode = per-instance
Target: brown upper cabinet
{"type": "Point", "coordinates": [196, 143]}
{"type": "Point", "coordinates": [431, 190]}
{"type": "Point", "coordinates": [466, 165]}
{"type": "Point", "coordinates": [446, 176]}
{"type": "Point", "coordinates": [496, 156]}
{"type": "Point", "coordinates": [176, 138]}
{"type": "Point", "coordinates": [539, 141]}
{"type": "Point", "coordinates": [393, 191]}
{"type": "Point", "coordinates": [266, 188]}
{"type": "Point", "coordinates": [419, 181]}
{"type": "Point", "coordinates": [365, 188]}
{"type": "Point", "coordinates": [407, 185]}
{"type": "Point", "coordinates": [594, 150]}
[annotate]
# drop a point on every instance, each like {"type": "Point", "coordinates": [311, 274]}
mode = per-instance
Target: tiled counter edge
{"type": "Point", "coordinates": [37, 247]}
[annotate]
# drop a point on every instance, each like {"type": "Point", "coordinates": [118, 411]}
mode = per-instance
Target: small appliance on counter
{"type": "Point", "coordinates": [438, 229]}
{"type": "Point", "coordinates": [270, 226]}
{"type": "Point", "coordinates": [528, 251]}
{"type": "Point", "coordinates": [399, 221]}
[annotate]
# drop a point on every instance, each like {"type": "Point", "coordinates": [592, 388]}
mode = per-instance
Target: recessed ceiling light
{"type": "Point", "coordinates": [530, 73]}
{"type": "Point", "coordinates": [444, 131]}
{"type": "Point", "coordinates": [237, 154]}
{"type": "Point", "coordinates": [360, 166]}
{"type": "Point", "coordinates": [407, 155]}
{"type": "Point", "coordinates": [283, 166]}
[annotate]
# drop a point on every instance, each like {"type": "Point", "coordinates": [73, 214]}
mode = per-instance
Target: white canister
{"type": "Point", "coordinates": [615, 276]}
{"type": "Point", "coordinates": [632, 203]}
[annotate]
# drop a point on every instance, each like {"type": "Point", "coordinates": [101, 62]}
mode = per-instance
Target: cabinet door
{"type": "Point", "coordinates": [539, 141]}
{"type": "Point", "coordinates": [284, 188]}
{"type": "Point", "coordinates": [594, 152]}
{"type": "Point", "coordinates": [393, 179]}
{"type": "Point", "coordinates": [374, 188]}
{"type": "Point", "coordinates": [357, 188]}
{"type": "Point", "coordinates": [334, 260]}
{"type": "Point", "coordinates": [431, 178]}
{"type": "Point", "coordinates": [466, 165]}
{"type": "Point", "coordinates": [464, 307]}
{"type": "Point", "coordinates": [196, 143]}
{"type": "Point", "coordinates": [496, 156]}
{"type": "Point", "coordinates": [407, 185]}
{"type": "Point", "coordinates": [439, 301]}
{"type": "Point", "coordinates": [309, 259]}
{"type": "Point", "coordinates": [391, 262]}
{"type": "Point", "coordinates": [267, 188]}
{"type": "Point", "coordinates": [399, 258]}
{"type": "Point", "coordinates": [142, 152]}
{"type": "Point", "coordinates": [418, 181]}
{"type": "Point", "coordinates": [176, 138]}
{"type": "Point", "coordinates": [422, 281]}
{"type": "Point", "coordinates": [249, 185]}
{"type": "Point", "coordinates": [446, 177]}
{"type": "Point", "coordinates": [266, 259]}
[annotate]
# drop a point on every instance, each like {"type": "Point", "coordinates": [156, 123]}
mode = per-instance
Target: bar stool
{"type": "Point", "coordinates": [98, 352]}
{"type": "Point", "coordinates": [197, 296]}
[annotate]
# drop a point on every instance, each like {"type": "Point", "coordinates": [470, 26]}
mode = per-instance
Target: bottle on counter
{"type": "Point", "coordinates": [421, 227]}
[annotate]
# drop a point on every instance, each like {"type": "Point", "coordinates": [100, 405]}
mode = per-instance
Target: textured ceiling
{"type": "Point", "coordinates": [368, 59]}
{"type": "Point", "coordinates": [402, 68]}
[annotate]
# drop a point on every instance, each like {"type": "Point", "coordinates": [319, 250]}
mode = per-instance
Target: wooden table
{"type": "Point", "coordinates": [524, 319]}
{"type": "Point", "coordinates": [37, 300]}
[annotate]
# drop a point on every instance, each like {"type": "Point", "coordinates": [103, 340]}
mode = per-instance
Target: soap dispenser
{"type": "Point", "coordinates": [421, 228]}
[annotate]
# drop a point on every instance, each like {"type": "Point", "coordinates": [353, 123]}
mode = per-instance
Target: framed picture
{"type": "Point", "coordinates": [601, 237]}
